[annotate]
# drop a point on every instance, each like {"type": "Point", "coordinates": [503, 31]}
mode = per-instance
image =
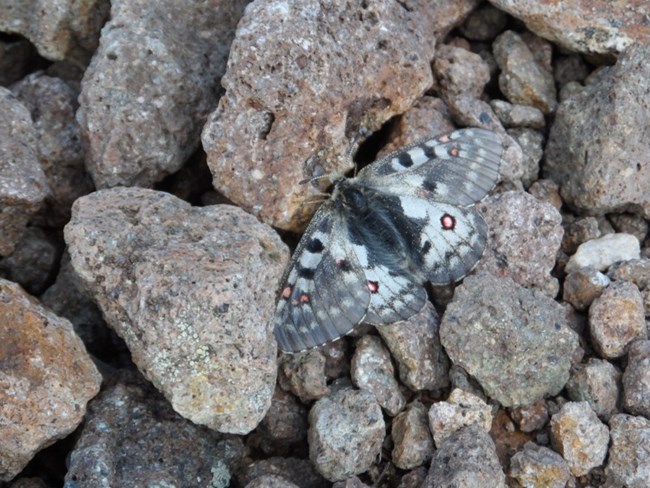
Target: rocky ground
{"type": "Point", "coordinates": [150, 169]}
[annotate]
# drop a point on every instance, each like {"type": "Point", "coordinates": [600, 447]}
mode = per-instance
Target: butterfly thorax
{"type": "Point", "coordinates": [351, 195]}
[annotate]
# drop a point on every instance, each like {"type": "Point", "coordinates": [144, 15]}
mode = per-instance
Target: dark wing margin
{"type": "Point", "coordinates": [324, 293]}
{"type": "Point", "coordinates": [458, 168]}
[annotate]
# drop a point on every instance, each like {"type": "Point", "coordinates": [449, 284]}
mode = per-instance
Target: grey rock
{"type": "Point", "coordinates": [536, 466]}
{"type": "Point", "coordinates": [570, 68]}
{"type": "Point", "coordinates": [484, 24]}
{"type": "Point", "coordinates": [629, 454]}
{"type": "Point", "coordinates": [151, 85]}
{"type": "Point", "coordinates": [579, 231]}
{"type": "Point", "coordinates": [459, 410]}
{"type": "Point", "coordinates": [23, 186]}
{"type": "Point", "coordinates": [636, 271]}
{"type": "Point", "coordinates": [531, 142]}
{"type": "Point", "coordinates": [518, 115]}
{"type": "Point", "coordinates": [271, 481]}
{"type": "Point", "coordinates": [372, 370]}
{"type": "Point", "coordinates": [599, 138]}
{"type": "Point", "coordinates": [192, 293]}
{"type": "Point", "coordinates": [466, 458]}
{"type": "Point", "coordinates": [304, 374]}
{"type": "Point", "coordinates": [598, 382]}
{"type": "Point", "coordinates": [300, 472]}
{"type": "Point", "coordinates": [132, 437]}
{"type": "Point", "coordinates": [415, 345]}
{"type": "Point", "coordinates": [578, 435]}
{"type": "Point", "coordinates": [459, 72]}
{"type": "Point", "coordinates": [412, 442]}
{"type": "Point", "coordinates": [523, 79]}
{"type": "Point", "coordinates": [636, 379]}
{"type": "Point", "coordinates": [616, 318]}
{"type": "Point", "coordinates": [346, 432]}
{"type": "Point", "coordinates": [515, 342]}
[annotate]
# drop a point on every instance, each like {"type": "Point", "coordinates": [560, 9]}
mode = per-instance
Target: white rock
{"type": "Point", "coordinates": [460, 410]}
{"type": "Point", "coordinates": [601, 253]}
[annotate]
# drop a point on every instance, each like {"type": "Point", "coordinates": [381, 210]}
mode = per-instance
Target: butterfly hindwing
{"type": "Point", "coordinates": [458, 168]}
{"type": "Point", "coordinates": [324, 294]}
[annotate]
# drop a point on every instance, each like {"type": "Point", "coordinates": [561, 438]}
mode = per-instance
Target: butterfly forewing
{"type": "Point", "coordinates": [459, 168]}
{"type": "Point", "coordinates": [311, 312]}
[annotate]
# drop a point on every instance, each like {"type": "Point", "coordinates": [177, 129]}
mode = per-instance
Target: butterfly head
{"type": "Point", "coordinates": [350, 195]}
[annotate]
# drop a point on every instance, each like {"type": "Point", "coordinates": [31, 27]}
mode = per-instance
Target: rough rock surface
{"type": "Point", "coordinates": [524, 237]}
{"type": "Point", "coordinates": [132, 437]}
{"type": "Point", "coordinates": [584, 26]}
{"type": "Point", "coordinates": [597, 382]}
{"type": "Point", "coordinates": [23, 186]}
{"type": "Point", "coordinates": [459, 410]}
{"type": "Point", "coordinates": [583, 286]}
{"type": "Point", "coordinates": [413, 445]}
{"type": "Point", "coordinates": [466, 458]}
{"type": "Point", "coordinates": [46, 379]}
{"type": "Point", "coordinates": [191, 291]}
{"type": "Point", "coordinates": [346, 431]}
{"type": "Point", "coordinates": [303, 374]}
{"type": "Point", "coordinates": [579, 436]}
{"type": "Point", "coordinates": [629, 454]}
{"type": "Point", "coordinates": [515, 342]}
{"type": "Point", "coordinates": [151, 85]}
{"type": "Point", "coordinates": [310, 75]}
{"type": "Point", "coordinates": [601, 253]}
{"type": "Point", "coordinates": [600, 139]}
{"type": "Point", "coordinates": [60, 29]}
{"type": "Point", "coordinates": [539, 466]}
{"type": "Point", "coordinates": [636, 379]}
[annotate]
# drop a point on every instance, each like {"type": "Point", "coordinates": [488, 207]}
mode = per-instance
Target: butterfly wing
{"type": "Point", "coordinates": [459, 168]}
{"type": "Point", "coordinates": [325, 293]}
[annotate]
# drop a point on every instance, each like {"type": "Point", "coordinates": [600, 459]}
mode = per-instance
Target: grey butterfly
{"type": "Point", "coordinates": [402, 221]}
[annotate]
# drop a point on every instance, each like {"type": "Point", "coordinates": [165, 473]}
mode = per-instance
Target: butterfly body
{"type": "Point", "coordinates": [402, 221]}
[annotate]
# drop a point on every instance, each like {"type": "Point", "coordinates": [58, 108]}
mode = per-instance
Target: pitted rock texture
{"type": "Point", "coordinates": [191, 291]}
{"type": "Point", "coordinates": [151, 85]}
{"type": "Point", "coordinates": [515, 342]}
{"type": "Point", "coordinates": [303, 78]}
{"type": "Point", "coordinates": [23, 186]}
{"type": "Point", "coordinates": [598, 145]}
{"type": "Point", "coordinates": [584, 26]}
{"type": "Point", "coordinates": [46, 379]}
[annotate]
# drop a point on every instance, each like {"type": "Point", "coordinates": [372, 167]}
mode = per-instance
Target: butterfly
{"type": "Point", "coordinates": [402, 221]}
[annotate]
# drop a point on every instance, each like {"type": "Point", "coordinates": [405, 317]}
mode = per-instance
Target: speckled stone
{"type": "Point", "coordinates": [635, 270]}
{"type": "Point", "coordinates": [629, 455]}
{"type": "Point", "coordinates": [191, 290]}
{"type": "Point", "coordinates": [283, 427]}
{"type": "Point", "coordinates": [300, 472]}
{"type": "Point", "coordinates": [583, 286]}
{"type": "Point", "coordinates": [467, 458]}
{"type": "Point", "coordinates": [532, 145]}
{"type": "Point", "coordinates": [636, 379]}
{"type": "Point", "coordinates": [412, 442]}
{"type": "Point", "coordinates": [538, 466]}
{"type": "Point", "coordinates": [530, 417]}
{"type": "Point", "coordinates": [459, 410]}
{"type": "Point", "coordinates": [484, 24]}
{"type": "Point", "coordinates": [514, 115]}
{"type": "Point", "coordinates": [601, 253]}
{"type": "Point", "coordinates": [616, 318]}
{"type": "Point", "coordinates": [578, 435]}
{"type": "Point", "coordinates": [459, 71]}
{"type": "Point", "coordinates": [373, 371]}
{"type": "Point", "coordinates": [314, 75]}
{"type": "Point", "coordinates": [346, 432]}
{"type": "Point", "coordinates": [303, 374]}
{"type": "Point", "coordinates": [578, 231]}
{"type": "Point", "coordinates": [47, 379]}
{"type": "Point", "coordinates": [597, 382]}
{"type": "Point", "coordinates": [515, 342]}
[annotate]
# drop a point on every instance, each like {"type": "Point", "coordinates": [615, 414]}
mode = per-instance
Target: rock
{"type": "Point", "coordinates": [151, 85]}
{"type": "Point", "coordinates": [629, 455]}
{"type": "Point", "coordinates": [412, 442]}
{"type": "Point", "coordinates": [34, 261]}
{"type": "Point", "coordinates": [23, 186]}
{"type": "Point", "coordinates": [415, 346]}
{"type": "Point", "coordinates": [539, 466]}
{"type": "Point", "coordinates": [372, 370]}
{"type": "Point", "coordinates": [578, 232]}
{"type": "Point", "coordinates": [346, 432]}
{"type": "Point", "coordinates": [599, 138]}
{"type": "Point", "coordinates": [598, 383]}
{"type": "Point", "coordinates": [524, 237]}
{"type": "Point", "coordinates": [601, 253]}
{"type": "Point", "coordinates": [287, 80]}
{"type": "Point", "coordinates": [531, 417]}
{"type": "Point", "coordinates": [460, 410]}
{"type": "Point", "coordinates": [570, 68]}
{"type": "Point", "coordinates": [283, 427]}
{"type": "Point", "coordinates": [636, 379]}
{"type": "Point", "coordinates": [484, 24]}
{"type": "Point", "coordinates": [546, 191]}
{"type": "Point", "coordinates": [459, 71]}
{"type": "Point", "coordinates": [583, 286]}
{"type": "Point", "coordinates": [64, 30]}
{"type": "Point", "coordinates": [191, 291]}
{"type": "Point", "coordinates": [523, 79]}
{"type": "Point", "coordinates": [52, 103]}
{"type": "Point", "coordinates": [271, 481]}
{"type": "Point", "coordinates": [467, 458]}
{"type": "Point", "coordinates": [628, 223]}
{"type": "Point", "coordinates": [518, 115]}
{"type": "Point", "coordinates": [300, 472]}
{"type": "Point", "coordinates": [47, 379]}
{"type": "Point", "coordinates": [515, 342]}
{"type": "Point", "coordinates": [616, 318]}
{"type": "Point", "coordinates": [578, 435]}
{"type": "Point", "coordinates": [636, 271]}
{"type": "Point", "coordinates": [304, 375]}
{"type": "Point", "coordinates": [531, 142]}
{"type": "Point", "coordinates": [155, 447]}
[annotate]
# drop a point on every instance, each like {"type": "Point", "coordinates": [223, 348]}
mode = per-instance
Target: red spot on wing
{"type": "Point", "coordinates": [373, 286]}
{"type": "Point", "coordinates": [444, 138]}
{"type": "Point", "coordinates": [304, 298]}
{"type": "Point", "coordinates": [286, 292]}
{"type": "Point", "coordinates": [453, 151]}
{"type": "Point", "coordinates": [448, 222]}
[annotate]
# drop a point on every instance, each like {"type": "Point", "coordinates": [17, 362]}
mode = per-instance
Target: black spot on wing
{"type": "Point", "coordinates": [426, 247]}
{"type": "Point", "coordinates": [405, 159]}
{"type": "Point", "coordinates": [429, 185]}
{"type": "Point", "coordinates": [307, 273]}
{"type": "Point", "coordinates": [315, 245]}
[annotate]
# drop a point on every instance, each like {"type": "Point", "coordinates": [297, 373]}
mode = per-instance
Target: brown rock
{"type": "Point", "coordinates": [583, 286]}
{"type": "Point", "coordinates": [304, 374]}
{"type": "Point", "coordinates": [312, 75]}
{"type": "Point", "coordinates": [636, 379]}
{"type": "Point", "coordinates": [46, 375]}
{"type": "Point", "coordinates": [413, 445]}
